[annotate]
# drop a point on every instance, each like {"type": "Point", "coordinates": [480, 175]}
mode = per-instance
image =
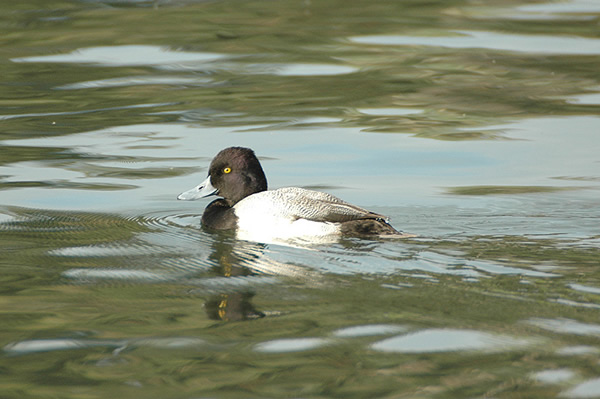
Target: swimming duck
{"type": "Point", "coordinates": [285, 214]}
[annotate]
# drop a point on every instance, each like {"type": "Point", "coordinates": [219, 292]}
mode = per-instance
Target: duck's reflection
{"type": "Point", "coordinates": [230, 258]}
{"type": "Point", "coordinates": [232, 307]}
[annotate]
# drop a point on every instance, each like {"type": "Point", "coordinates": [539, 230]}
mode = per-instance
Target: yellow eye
{"type": "Point", "coordinates": [227, 170]}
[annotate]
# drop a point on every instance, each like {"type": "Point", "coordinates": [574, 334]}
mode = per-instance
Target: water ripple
{"type": "Point", "coordinates": [58, 344]}
{"type": "Point", "coordinates": [291, 345]}
{"type": "Point", "coordinates": [128, 55]}
{"type": "Point", "coordinates": [87, 111]}
{"type": "Point", "coordinates": [449, 340]}
{"type": "Point", "coordinates": [137, 81]}
{"type": "Point", "coordinates": [534, 44]}
{"type": "Point", "coordinates": [566, 326]}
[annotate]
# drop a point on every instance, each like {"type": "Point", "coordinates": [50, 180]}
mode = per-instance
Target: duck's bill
{"type": "Point", "coordinates": [202, 190]}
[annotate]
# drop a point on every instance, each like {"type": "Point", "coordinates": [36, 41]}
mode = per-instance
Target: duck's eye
{"type": "Point", "coordinates": [227, 170]}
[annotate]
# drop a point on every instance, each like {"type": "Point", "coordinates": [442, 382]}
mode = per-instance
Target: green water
{"type": "Point", "coordinates": [473, 125]}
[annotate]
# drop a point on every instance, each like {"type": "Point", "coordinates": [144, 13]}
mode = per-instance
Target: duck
{"type": "Point", "coordinates": [285, 214]}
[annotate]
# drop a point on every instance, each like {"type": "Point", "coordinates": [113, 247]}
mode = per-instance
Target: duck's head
{"type": "Point", "coordinates": [234, 174]}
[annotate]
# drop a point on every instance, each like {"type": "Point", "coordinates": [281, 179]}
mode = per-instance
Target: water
{"type": "Point", "coordinates": [473, 125]}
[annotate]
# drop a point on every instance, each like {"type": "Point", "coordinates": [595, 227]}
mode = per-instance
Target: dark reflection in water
{"type": "Point", "coordinates": [235, 306]}
{"type": "Point", "coordinates": [230, 306]}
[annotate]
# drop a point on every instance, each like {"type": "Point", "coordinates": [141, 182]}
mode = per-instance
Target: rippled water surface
{"type": "Point", "coordinates": [472, 124]}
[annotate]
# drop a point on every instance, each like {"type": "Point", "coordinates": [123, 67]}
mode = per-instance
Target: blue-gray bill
{"type": "Point", "coordinates": [202, 190]}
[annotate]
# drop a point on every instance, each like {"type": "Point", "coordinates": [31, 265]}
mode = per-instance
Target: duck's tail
{"type": "Point", "coordinates": [376, 227]}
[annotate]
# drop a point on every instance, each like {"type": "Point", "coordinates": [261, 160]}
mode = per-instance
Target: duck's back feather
{"type": "Point", "coordinates": [299, 203]}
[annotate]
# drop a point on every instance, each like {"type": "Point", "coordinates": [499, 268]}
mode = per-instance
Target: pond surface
{"type": "Point", "coordinates": [472, 124]}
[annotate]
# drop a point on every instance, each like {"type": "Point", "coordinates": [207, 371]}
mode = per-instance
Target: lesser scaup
{"type": "Point", "coordinates": [290, 213]}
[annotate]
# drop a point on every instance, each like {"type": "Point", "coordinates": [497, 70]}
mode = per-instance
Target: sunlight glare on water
{"type": "Point", "coordinates": [118, 56]}
{"type": "Point", "coordinates": [444, 340]}
{"type": "Point", "coordinates": [539, 44]}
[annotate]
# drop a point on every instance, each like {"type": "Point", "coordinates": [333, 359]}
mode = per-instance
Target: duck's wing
{"type": "Point", "coordinates": [318, 206]}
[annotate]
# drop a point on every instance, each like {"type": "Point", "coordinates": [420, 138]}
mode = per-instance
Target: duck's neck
{"type": "Point", "coordinates": [219, 215]}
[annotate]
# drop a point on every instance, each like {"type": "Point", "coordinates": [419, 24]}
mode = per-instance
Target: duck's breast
{"type": "Point", "coordinates": [268, 217]}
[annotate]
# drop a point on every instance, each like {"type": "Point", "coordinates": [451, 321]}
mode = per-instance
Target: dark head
{"type": "Point", "coordinates": [234, 174]}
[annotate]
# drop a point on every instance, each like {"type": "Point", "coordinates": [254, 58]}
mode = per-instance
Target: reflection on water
{"type": "Point", "coordinates": [137, 80]}
{"type": "Point", "coordinates": [54, 114]}
{"type": "Point", "coordinates": [587, 99]}
{"type": "Point", "coordinates": [554, 376]}
{"type": "Point", "coordinates": [125, 56]}
{"type": "Point", "coordinates": [567, 326]}
{"type": "Point", "coordinates": [314, 70]}
{"type": "Point", "coordinates": [389, 111]}
{"type": "Point", "coordinates": [368, 330]}
{"type": "Point", "coordinates": [46, 345]}
{"type": "Point", "coordinates": [538, 44]}
{"type": "Point", "coordinates": [290, 345]}
{"type": "Point", "coordinates": [444, 340]}
{"type": "Point", "coordinates": [587, 389]}
{"type": "Point", "coordinates": [570, 7]}
{"type": "Point", "coordinates": [473, 125]}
